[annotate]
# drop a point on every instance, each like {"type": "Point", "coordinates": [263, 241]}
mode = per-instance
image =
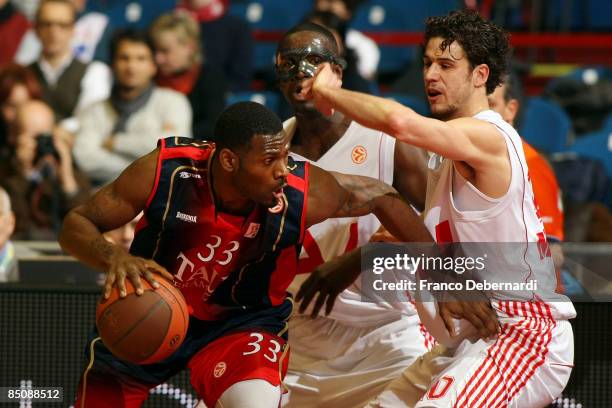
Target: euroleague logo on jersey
{"type": "Point", "coordinates": [219, 369]}
{"type": "Point", "coordinates": [359, 154]}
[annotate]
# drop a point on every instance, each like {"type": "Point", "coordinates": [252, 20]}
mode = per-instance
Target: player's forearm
{"type": "Point", "coordinates": [83, 240]}
{"type": "Point", "coordinates": [400, 219]}
{"type": "Point", "coordinates": [370, 111]}
{"type": "Point", "coordinates": [368, 195]}
{"type": "Point", "coordinates": [398, 121]}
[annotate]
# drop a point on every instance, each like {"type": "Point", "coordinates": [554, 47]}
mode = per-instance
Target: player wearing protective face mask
{"type": "Point", "coordinates": [370, 342]}
{"type": "Point", "coordinates": [305, 60]}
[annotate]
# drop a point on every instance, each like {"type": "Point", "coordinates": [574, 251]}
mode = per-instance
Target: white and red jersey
{"type": "Point", "coordinates": [456, 211]}
{"type": "Point", "coordinates": [365, 152]}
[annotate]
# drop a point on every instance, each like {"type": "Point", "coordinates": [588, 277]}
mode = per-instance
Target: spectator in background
{"type": "Point", "coordinates": [27, 7]}
{"type": "Point", "coordinates": [92, 34]}
{"type": "Point", "coordinates": [126, 126]}
{"type": "Point", "coordinates": [17, 85]}
{"type": "Point", "coordinates": [505, 100]}
{"type": "Point", "coordinates": [181, 66]}
{"type": "Point", "coordinates": [40, 177]}
{"type": "Point", "coordinates": [8, 260]}
{"type": "Point", "coordinates": [13, 26]}
{"type": "Point", "coordinates": [366, 49]}
{"type": "Point", "coordinates": [227, 39]}
{"type": "Point", "coordinates": [92, 31]}
{"type": "Point", "coordinates": [69, 85]}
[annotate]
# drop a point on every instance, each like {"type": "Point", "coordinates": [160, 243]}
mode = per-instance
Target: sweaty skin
{"type": "Point", "coordinates": [330, 195]}
{"type": "Point", "coordinates": [314, 135]}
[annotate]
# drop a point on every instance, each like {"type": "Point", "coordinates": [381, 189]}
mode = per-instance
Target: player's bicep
{"type": "Point", "coordinates": [478, 143]}
{"type": "Point", "coordinates": [119, 202]}
{"type": "Point", "coordinates": [325, 196]}
{"type": "Point", "coordinates": [342, 195]}
{"type": "Point", "coordinates": [465, 139]}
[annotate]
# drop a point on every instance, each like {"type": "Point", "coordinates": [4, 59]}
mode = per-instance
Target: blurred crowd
{"type": "Point", "coordinates": [86, 89]}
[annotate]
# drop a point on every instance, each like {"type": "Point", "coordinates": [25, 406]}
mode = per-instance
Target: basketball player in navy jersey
{"type": "Point", "coordinates": [225, 222]}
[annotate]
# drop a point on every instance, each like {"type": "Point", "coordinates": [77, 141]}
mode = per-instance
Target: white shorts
{"type": "Point", "coordinates": [527, 366]}
{"type": "Point", "coordinates": [336, 365]}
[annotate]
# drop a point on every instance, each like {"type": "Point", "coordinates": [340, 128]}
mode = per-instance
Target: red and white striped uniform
{"type": "Point", "coordinates": [528, 365]}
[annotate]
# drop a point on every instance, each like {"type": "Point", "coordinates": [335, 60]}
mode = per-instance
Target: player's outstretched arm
{"type": "Point", "coordinates": [464, 139]}
{"type": "Point", "coordinates": [333, 195]}
{"type": "Point", "coordinates": [114, 205]}
{"type": "Point", "coordinates": [340, 195]}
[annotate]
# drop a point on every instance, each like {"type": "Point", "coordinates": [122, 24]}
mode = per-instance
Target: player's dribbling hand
{"type": "Point", "coordinates": [328, 280]}
{"type": "Point", "coordinates": [124, 265]}
{"type": "Point", "coordinates": [479, 313]}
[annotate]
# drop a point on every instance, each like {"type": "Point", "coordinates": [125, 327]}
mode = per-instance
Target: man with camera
{"type": "Point", "coordinates": [40, 177]}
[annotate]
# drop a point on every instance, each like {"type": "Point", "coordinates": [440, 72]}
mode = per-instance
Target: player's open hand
{"type": "Point", "coordinates": [124, 265]}
{"type": "Point", "coordinates": [479, 313]}
{"type": "Point", "coordinates": [327, 281]}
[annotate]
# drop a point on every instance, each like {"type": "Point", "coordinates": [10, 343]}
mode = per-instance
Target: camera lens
{"type": "Point", "coordinates": [45, 146]}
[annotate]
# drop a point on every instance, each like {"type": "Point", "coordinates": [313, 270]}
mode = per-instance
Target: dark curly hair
{"type": "Point", "coordinates": [481, 40]}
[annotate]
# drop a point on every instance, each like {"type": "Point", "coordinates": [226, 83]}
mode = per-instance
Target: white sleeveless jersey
{"type": "Point", "coordinates": [366, 152]}
{"type": "Point", "coordinates": [461, 216]}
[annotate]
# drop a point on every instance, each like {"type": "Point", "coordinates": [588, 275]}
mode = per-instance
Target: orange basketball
{"type": "Point", "coordinates": [143, 329]}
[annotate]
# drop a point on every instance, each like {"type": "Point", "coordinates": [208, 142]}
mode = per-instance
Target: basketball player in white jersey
{"type": "Point", "coordinates": [348, 357]}
{"type": "Point", "coordinates": [478, 191]}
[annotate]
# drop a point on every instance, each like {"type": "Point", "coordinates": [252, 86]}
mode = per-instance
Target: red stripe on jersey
{"type": "Point", "coordinates": [523, 368]}
{"type": "Point", "coordinates": [473, 384]}
{"type": "Point", "coordinates": [503, 353]}
{"type": "Point", "coordinates": [520, 347]}
{"type": "Point", "coordinates": [537, 358]}
{"type": "Point", "coordinates": [428, 339]}
{"type": "Point", "coordinates": [541, 357]}
{"type": "Point", "coordinates": [196, 153]}
{"type": "Point", "coordinates": [305, 189]}
{"type": "Point", "coordinates": [524, 310]}
{"type": "Point", "coordinates": [519, 351]}
{"type": "Point", "coordinates": [443, 233]}
{"type": "Point", "coordinates": [314, 259]}
{"type": "Point", "coordinates": [486, 369]}
{"type": "Point", "coordinates": [296, 182]}
{"type": "Point", "coordinates": [353, 238]}
{"type": "Point", "coordinates": [548, 311]}
{"type": "Point", "coordinates": [282, 276]}
{"type": "Point", "coordinates": [531, 310]}
{"type": "Point", "coordinates": [162, 144]}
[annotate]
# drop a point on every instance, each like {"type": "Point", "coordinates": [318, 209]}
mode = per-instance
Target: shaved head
{"type": "Point", "coordinates": [36, 117]}
{"type": "Point", "coordinates": [315, 31]}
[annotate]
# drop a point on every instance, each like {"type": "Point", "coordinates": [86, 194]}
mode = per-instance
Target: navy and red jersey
{"type": "Point", "coordinates": [220, 262]}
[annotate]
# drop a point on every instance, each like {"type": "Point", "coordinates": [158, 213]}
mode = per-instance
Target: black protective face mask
{"type": "Point", "coordinates": [304, 60]}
